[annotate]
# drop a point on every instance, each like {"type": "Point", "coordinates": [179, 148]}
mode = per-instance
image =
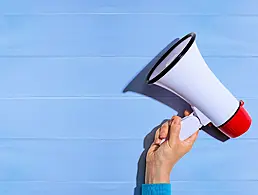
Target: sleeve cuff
{"type": "Point", "coordinates": [156, 189]}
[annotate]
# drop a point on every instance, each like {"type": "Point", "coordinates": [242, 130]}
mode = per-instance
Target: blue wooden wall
{"type": "Point", "coordinates": [66, 127]}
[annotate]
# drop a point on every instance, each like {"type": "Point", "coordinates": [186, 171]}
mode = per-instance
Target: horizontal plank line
{"type": "Point", "coordinates": [127, 182]}
{"type": "Point", "coordinates": [99, 139]}
{"type": "Point", "coordinates": [96, 97]}
{"type": "Point", "coordinates": [116, 56]}
{"type": "Point", "coordinates": [133, 13]}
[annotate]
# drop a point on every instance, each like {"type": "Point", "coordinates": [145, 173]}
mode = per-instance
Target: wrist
{"type": "Point", "coordinates": [155, 175]}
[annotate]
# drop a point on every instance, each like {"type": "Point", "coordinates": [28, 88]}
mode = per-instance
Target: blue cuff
{"type": "Point", "coordinates": [156, 189]}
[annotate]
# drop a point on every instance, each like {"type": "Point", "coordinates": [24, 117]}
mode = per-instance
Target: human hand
{"type": "Point", "coordinates": [162, 157]}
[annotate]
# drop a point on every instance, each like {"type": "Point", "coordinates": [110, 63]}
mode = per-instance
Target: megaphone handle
{"type": "Point", "coordinates": [189, 125]}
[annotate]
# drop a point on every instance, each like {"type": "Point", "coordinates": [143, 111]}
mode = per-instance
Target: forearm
{"type": "Point", "coordinates": [162, 156]}
{"type": "Point", "coordinates": [157, 180]}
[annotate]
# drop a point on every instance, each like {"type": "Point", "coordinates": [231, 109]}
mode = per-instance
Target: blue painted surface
{"type": "Point", "coordinates": [66, 125]}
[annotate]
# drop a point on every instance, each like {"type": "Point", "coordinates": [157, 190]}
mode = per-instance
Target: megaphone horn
{"type": "Point", "coordinates": [183, 71]}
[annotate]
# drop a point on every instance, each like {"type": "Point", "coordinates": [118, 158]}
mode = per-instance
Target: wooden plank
{"type": "Point", "coordinates": [135, 35]}
{"type": "Point", "coordinates": [81, 188]}
{"type": "Point", "coordinates": [106, 160]}
{"type": "Point", "coordinates": [134, 6]}
{"type": "Point", "coordinates": [108, 77]}
{"type": "Point", "coordinates": [91, 118]}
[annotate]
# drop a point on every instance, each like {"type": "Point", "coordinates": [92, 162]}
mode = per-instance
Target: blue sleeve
{"type": "Point", "coordinates": [156, 189]}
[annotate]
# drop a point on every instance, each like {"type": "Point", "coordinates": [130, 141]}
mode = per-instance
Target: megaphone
{"type": "Point", "coordinates": [183, 71]}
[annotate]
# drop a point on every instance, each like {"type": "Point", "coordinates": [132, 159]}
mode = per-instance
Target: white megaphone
{"type": "Point", "coordinates": [183, 71]}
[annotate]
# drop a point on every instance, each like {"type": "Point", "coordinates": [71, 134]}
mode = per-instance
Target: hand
{"type": "Point", "coordinates": [162, 157]}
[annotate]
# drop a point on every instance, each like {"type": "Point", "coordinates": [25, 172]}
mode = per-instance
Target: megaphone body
{"type": "Point", "coordinates": [183, 71]}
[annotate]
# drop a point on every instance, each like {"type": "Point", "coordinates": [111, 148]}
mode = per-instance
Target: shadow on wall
{"type": "Point", "coordinates": [140, 177]}
{"type": "Point", "coordinates": [138, 85]}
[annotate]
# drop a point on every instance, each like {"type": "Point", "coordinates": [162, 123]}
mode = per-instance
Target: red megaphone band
{"type": "Point", "coordinates": [238, 124]}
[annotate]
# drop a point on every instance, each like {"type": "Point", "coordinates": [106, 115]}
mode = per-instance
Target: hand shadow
{"type": "Point", "coordinates": [138, 85]}
{"type": "Point", "coordinates": [142, 160]}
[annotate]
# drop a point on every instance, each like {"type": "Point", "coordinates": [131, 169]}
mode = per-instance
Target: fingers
{"type": "Point", "coordinates": [174, 129]}
{"type": "Point", "coordinates": [161, 133]}
{"type": "Point", "coordinates": [164, 130]}
{"type": "Point", "coordinates": [186, 113]}
{"type": "Point", "coordinates": [156, 138]}
{"type": "Point", "coordinates": [171, 130]}
{"type": "Point", "coordinates": [154, 146]}
{"type": "Point", "coordinates": [190, 140]}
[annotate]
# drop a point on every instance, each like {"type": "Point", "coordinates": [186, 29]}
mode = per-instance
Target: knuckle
{"type": "Point", "coordinates": [177, 117]}
{"type": "Point", "coordinates": [164, 126]}
{"type": "Point", "coordinates": [172, 144]}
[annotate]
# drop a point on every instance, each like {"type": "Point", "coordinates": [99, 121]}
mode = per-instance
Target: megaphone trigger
{"type": "Point", "coordinates": [189, 125]}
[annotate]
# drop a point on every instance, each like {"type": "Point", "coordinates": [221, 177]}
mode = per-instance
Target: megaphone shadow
{"type": "Point", "coordinates": [138, 85]}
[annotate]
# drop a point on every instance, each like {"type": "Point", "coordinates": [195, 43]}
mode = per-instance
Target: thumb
{"type": "Point", "coordinates": [190, 140]}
